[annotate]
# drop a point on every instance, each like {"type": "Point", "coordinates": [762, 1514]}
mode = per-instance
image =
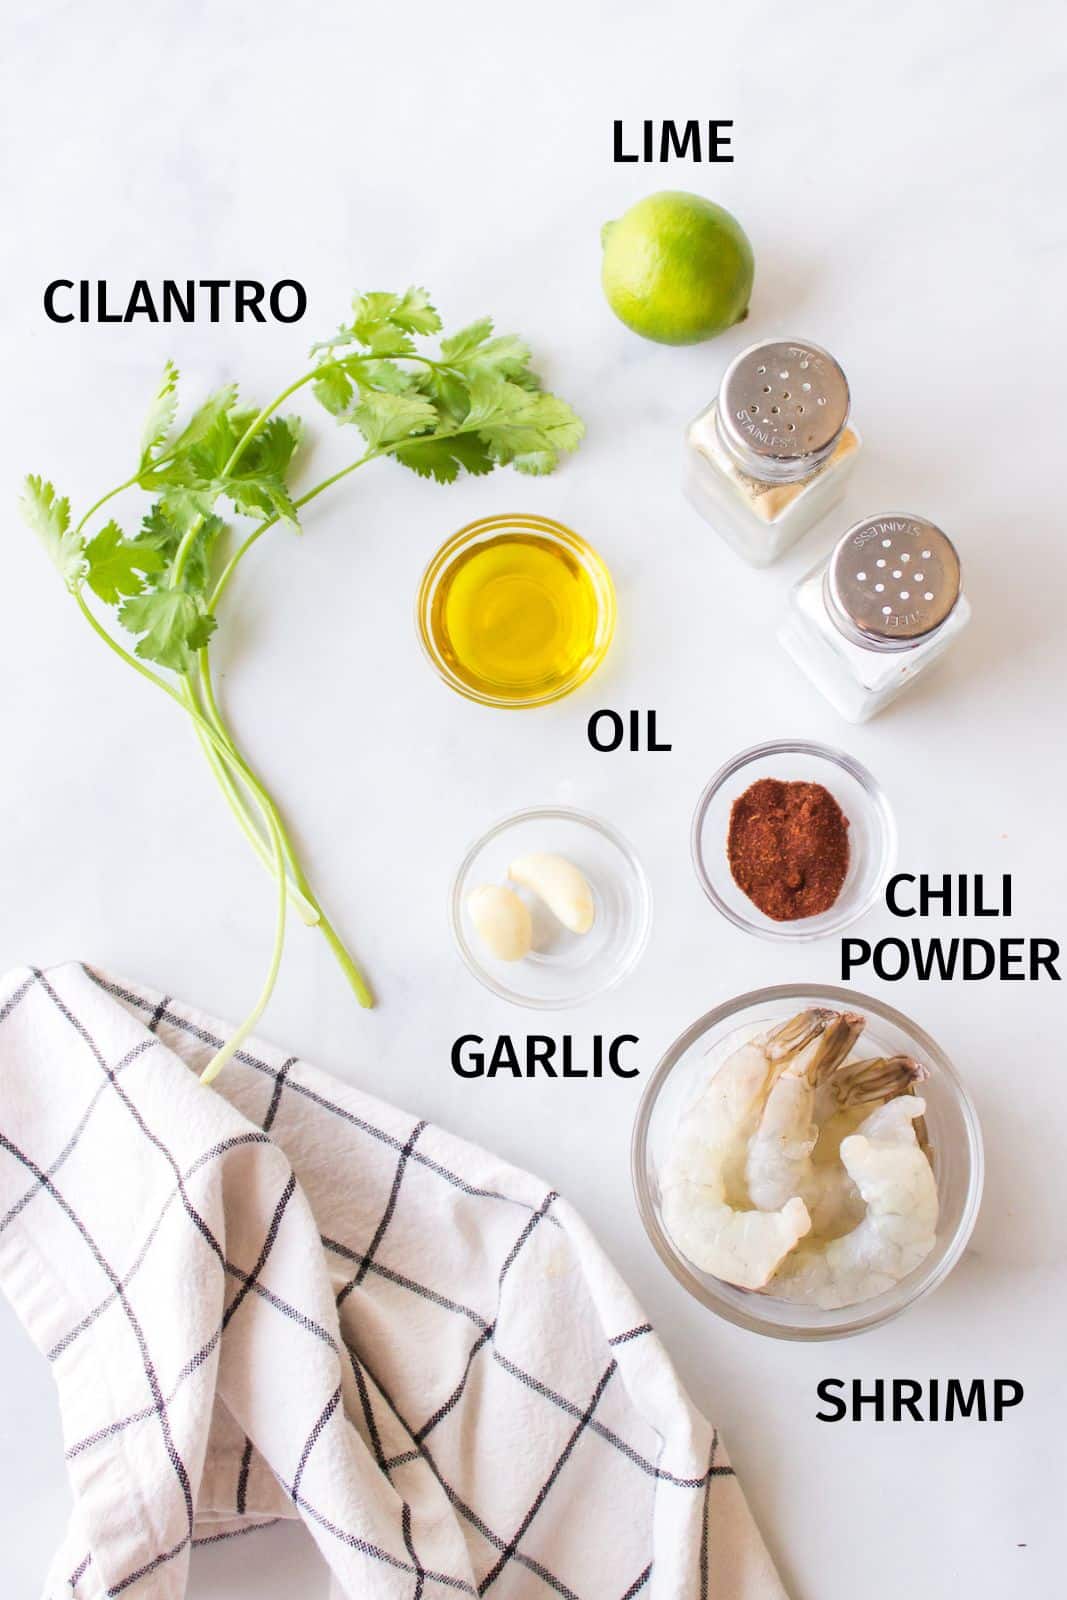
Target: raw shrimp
{"type": "Point", "coordinates": [778, 1164]}
{"type": "Point", "coordinates": [704, 1172]}
{"type": "Point", "coordinates": [834, 1202]}
{"type": "Point", "coordinates": [889, 1168]}
{"type": "Point", "coordinates": [808, 1092]}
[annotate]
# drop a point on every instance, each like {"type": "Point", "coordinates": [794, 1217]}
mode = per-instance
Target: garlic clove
{"type": "Point", "coordinates": [501, 921]}
{"type": "Point", "coordinates": [557, 882]}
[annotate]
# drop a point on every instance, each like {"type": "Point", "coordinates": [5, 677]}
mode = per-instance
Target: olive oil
{"type": "Point", "coordinates": [519, 612]}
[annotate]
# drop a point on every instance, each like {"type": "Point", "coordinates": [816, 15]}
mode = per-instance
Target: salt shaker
{"type": "Point", "coordinates": [772, 453]}
{"type": "Point", "coordinates": [886, 603]}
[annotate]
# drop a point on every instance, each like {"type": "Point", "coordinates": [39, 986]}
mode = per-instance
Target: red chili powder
{"type": "Point", "coordinates": [787, 846]}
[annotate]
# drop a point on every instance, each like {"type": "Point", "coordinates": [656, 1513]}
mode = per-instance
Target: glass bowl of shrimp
{"type": "Point", "coordinates": [807, 1162]}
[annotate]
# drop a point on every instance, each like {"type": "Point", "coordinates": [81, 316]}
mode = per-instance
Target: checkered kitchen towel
{"type": "Point", "coordinates": [279, 1297]}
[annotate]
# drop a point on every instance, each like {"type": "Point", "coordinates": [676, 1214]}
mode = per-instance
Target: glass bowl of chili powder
{"type": "Point", "coordinates": [793, 840]}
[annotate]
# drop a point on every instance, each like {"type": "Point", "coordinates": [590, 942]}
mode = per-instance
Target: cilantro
{"type": "Point", "coordinates": [161, 414]}
{"type": "Point", "coordinates": [333, 387]}
{"type": "Point", "coordinates": [172, 624]}
{"type": "Point", "coordinates": [442, 457]}
{"type": "Point", "coordinates": [377, 314]}
{"type": "Point", "coordinates": [481, 385]}
{"type": "Point", "coordinates": [119, 566]}
{"type": "Point", "coordinates": [205, 417]}
{"type": "Point", "coordinates": [474, 405]}
{"type": "Point", "coordinates": [49, 518]}
{"type": "Point", "coordinates": [384, 418]}
{"type": "Point", "coordinates": [476, 354]}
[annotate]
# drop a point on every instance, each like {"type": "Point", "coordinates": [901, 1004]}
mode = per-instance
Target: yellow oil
{"type": "Point", "coordinates": [518, 618]}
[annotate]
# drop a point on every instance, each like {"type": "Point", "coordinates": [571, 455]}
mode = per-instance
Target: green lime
{"type": "Point", "coordinates": [677, 268]}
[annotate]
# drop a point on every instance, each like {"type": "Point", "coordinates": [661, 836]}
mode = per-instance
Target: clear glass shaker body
{"type": "Point", "coordinates": [773, 452]}
{"type": "Point", "coordinates": [846, 633]}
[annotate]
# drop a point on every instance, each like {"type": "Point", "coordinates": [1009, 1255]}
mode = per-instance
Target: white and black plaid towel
{"type": "Point", "coordinates": [279, 1297]}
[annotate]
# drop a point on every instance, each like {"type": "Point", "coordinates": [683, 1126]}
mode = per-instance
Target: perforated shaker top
{"type": "Point", "coordinates": [783, 407]}
{"type": "Point", "coordinates": [892, 580]}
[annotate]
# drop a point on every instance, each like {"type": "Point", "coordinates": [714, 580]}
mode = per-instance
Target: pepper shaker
{"type": "Point", "coordinates": [772, 453]}
{"type": "Point", "coordinates": [868, 620]}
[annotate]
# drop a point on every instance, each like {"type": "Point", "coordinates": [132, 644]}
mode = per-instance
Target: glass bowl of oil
{"type": "Point", "coordinates": [516, 611]}
{"type": "Point", "coordinates": [563, 969]}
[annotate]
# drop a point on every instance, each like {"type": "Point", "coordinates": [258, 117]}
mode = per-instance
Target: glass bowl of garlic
{"type": "Point", "coordinates": [550, 908]}
{"type": "Point", "coordinates": [837, 1219]}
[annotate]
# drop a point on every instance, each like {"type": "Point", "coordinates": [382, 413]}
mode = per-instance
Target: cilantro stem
{"type": "Point", "coordinates": [220, 740]}
{"type": "Point", "coordinates": [124, 655]}
{"type": "Point", "coordinates": [344, 957]}
{"type": "Point", "coordinates": [308, 913]}
{"type": "Point", "coordinates": [130, 483]}
{"type": "Point", "coordinates": [237, 1039]}
{"type": "Point", "coordinates": [260, 418]}
{"type": "Point", "coordinates": [103, 500]}
{"type": "Point", "coordinates": [233, 1044]}
{"type": "Point", "coordinates": [218, 743]}
{"type": "Point", "coordinates": [209, 708]}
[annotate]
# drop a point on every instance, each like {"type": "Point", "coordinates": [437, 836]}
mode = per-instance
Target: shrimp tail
{"type": "Point", "coordinates": [835, 1045]}
{"type": "Point", "coordinates": [796, 1033]}
{"type": "Point", "coordinates": [858, 1083]}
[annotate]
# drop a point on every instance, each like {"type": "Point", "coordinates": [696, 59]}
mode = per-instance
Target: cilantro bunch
{"type": "Point", "coordinates": [225, 478]}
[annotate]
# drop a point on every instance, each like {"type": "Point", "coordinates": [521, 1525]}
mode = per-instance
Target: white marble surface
{"type": "Point", "coordinates": [897, 169]}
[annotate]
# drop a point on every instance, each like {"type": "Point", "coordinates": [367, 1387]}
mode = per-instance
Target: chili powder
{"type": "Point", "coordinates": [787, 845]}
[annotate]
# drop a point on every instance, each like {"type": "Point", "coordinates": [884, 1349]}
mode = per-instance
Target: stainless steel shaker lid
{"type": "Point", "coordinates": [782, 408]}
{"type": "Point", "coordinates": [892, 580]}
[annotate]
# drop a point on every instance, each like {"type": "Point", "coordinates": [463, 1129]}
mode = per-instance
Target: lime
{"type": "Point", "coordinates": [677, 268]}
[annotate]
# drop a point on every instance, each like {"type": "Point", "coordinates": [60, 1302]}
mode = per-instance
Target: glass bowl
{"type": "Point", "coordinates": [574, 551]}
{"type": "Point", "coordinates": [563, 969]}
{"type": "Point", "coordinates": [872, 835]}
{"type": "Point", "coordinates": [952, 1125]}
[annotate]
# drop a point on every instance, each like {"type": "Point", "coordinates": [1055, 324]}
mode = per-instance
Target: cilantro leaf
{"type": "Point", "coordinates": [159, 530]}
{"type": "Point", "coordinates": [161, 414]}
{"type": "Point", "coordinates": [384, 418]}
{"type": "Point", "coordinates": [564, 430]}
{"type": "Point", "coordinates": [467, 339]}
{"type": "Point", "coordinates": [504, 357]}
{"type": "Point", "coordinates": [162, 531]}
{"type": "Point", "coordinates": [333, 388]}
{"type": "Point", "coordinates": [172, 625]}
{"type": "Point", "coordinates": [448, 391]}
{"type": "Point", "coordinates": [205, 417]}
{"type": "Point", "coordinates": [520, 424]}
{"type": "Point", "coordinates": [414, 312]}
{"type": "Point", "coordinates": [264, 496]}
{"type": "Point", "coordinates": [224, 459]}
{"type": "Point", "coordinates": [390, 341]}
{"type": "Point", "coordinates": [49, 518]}
{"type": "Point", "coordinates": [475, 354]}
{"type": "Point", "coordinates": [383, 375]}
{"type": "Point", "coordinates": [379, 318]}
{"type": "Point", "coordinates": [117, 566]}
{"type": "Point", "coordinates": [184, 506]}
{"type": "Point", "coordinates": [371, 312]}
{"type": "Point", "coordinates": [337, 341]}
{"type": "Point", "coordinates": [269, 452]}
{"type": "Point", "coordinates": [339, 379]}
{"type": "Point", "coordinates": [256, 484]}
{"type": "Point", "coordinates": [441, 456]}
